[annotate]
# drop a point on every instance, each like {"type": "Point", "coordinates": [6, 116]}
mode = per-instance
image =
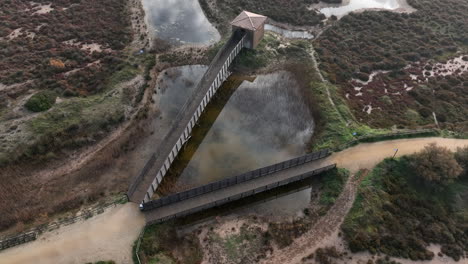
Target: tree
{"type": "Point", "coordinates": [462, 158]}
{"type": "Point", "coordinates": [436, 165]}
{"type": "Point", "coordinates": [41, 101]}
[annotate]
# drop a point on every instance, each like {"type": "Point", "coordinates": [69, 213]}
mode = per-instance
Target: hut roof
{"type": "Point", "coordinates": [249, 21]}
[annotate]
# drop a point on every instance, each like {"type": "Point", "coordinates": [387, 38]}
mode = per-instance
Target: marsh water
{"type": "Point", "coordinates": [252, 122]}
{"type": "Point", "coordinates": [348, 6]}
{"type": "Point", "coordinates": [175, 86]}
{"type": "Point", "coordinates": [179, 22]}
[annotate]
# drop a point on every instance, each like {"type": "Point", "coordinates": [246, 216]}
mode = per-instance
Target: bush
{"type": "Point", "coordinates": [462, 158]}
{"type": "Point", "coordinates": [41, 101]}
{"type": "Point", "coordinates": [436, 165]}
{"type": "Point", "coordinates": [333, 183]}
{"type": "Point", "coordinates": [394, 214]}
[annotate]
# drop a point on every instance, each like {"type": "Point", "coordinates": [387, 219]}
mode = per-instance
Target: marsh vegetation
{"type": "Point", "coordinates": [401, 208]}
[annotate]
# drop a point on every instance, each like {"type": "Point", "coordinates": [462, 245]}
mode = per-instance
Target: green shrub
{"type": "Point", "coordinates": [394, 214]}
{"type": "Point", "coordinates": [462, 158]}
{"type": "Point", "coordinates": [41, 101]}
{"type": "Point", "coordinates": [333, 183]}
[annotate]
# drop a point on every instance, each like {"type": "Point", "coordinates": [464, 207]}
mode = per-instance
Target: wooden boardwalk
{"type": "Point", "coordinates": [235, 188]}
{"type": "Point", "coordinates": [144, 185]}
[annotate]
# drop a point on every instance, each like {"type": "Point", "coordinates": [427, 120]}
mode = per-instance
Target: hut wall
{"type": "Point", "coordinates": [258, 35]}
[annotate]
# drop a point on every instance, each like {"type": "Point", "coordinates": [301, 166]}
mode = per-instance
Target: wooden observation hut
{"type": "Point", "coordinates": [253, 24]}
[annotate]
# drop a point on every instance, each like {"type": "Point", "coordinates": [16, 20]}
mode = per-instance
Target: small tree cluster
{"type": "Point", "coordinates": [41, 101]}
{"type": "Point", "coordinates": [436, 165]}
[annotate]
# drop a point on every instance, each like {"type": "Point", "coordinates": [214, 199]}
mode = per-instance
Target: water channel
{"type": "Point", "coordinates": [179, 22]}
{"type": "Point", "coordinates": [349, 6]}
{"type": "Point", "coordinates": [252, 122]}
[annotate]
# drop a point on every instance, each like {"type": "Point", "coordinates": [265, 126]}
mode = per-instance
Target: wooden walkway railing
{"type": "Point", "coordinates": [17, 240]}
{"type": "Point", "coordinates": [243, 195]}
{"type": "Point", "coordinates": [32, 234]}
{"type": "Point", "coordinates": [214, 186]}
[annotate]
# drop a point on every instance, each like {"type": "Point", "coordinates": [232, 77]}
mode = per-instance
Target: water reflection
{"type": "Point", "coordinates": [179, 22]}
{"type": "Point", "coordinates": [275, 205]}
{"type": "Point", "coordinates": [264, 122]}
{"type": "Point", "coordinates": [353, 5]}
{"type": "Point", "coordinates": [249, 124]}
{"type": "Point", "coordinates": [175, 86]}
{"type": "Point", "coordinates": [291, 205]}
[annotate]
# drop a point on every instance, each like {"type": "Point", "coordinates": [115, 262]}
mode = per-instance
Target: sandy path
{"type": "Point", "coordinates": [363, 156]}
{"type": "Point", "coordinates": [108, 236]}
{"type": "Point", "coordinates": [367, 155]}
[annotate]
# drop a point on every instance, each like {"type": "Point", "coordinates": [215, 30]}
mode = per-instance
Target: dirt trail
{"type": "Point", "coordinates": [108, 236]}
{"type": "Point", "coordinates": [363, 156]}
{"type": "Point", "coordinates": [367, 155]}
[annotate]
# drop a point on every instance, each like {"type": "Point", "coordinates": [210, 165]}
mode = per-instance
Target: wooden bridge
{"type": "Point", "coordinates": [247, 32]}
{"type": "Point", "coordinates": [144, 186]}
{"type": "Point", "coordinates": [235, 188]}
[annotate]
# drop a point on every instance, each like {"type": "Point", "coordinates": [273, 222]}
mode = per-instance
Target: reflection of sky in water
{"type": "Point", "coordinates": [264, 122]}
{"type": "Point", "coordinates": [291, 204]}
{"type": "Point", "coordinates": [179, 21]}
{"type": "Point", "coordinates": [353, 5]}
{"type": "Point", "coordinates": [175, 87]}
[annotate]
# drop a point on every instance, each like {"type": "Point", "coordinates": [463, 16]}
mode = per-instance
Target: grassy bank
{"type": "Point", "coordinates": [333, 183]}
{"type": "Point", "coordinates": [161, 244]}
{"type": "Point", "coordinates": [336, 125]}
{"type": "Point", "coordinates": [396, 215]}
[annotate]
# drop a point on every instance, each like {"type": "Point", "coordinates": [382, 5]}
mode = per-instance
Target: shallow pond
{"type": "Point", "coordinates": [179, 22]}
{"type": "Point", "coordinates": [175, 86]}
{"type": "Point", "coordinates": [248, 125]}
{"type": "Point", "coordinates": [349, 6]}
